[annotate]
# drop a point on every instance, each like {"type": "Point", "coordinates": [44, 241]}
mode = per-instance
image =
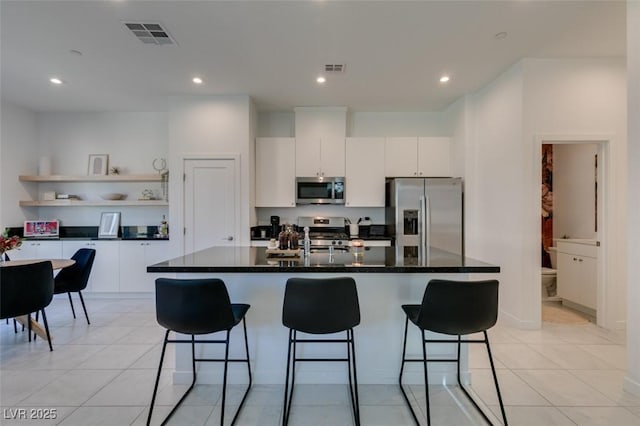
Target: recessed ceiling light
{"type": "Point", "coordinates": [444, 79]}
{"type": "Point", "coordinates": [501, 35]}
{"type": "Point", "coordinates": [197, 80]}
{"type": "Point", "coordinates": [321, 79]}
{"type": "Point", "coordinates": [55, 80]}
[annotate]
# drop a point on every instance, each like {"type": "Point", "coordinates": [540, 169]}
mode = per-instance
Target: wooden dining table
{"type": "Point", "coordinates": [56, 264]}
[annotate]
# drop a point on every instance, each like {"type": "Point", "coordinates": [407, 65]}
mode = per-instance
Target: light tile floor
{"type": "Point", "coordinates": [103, 374]}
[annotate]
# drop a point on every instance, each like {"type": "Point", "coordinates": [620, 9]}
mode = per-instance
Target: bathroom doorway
{"type": "Point", "coordinates": [572, 205]}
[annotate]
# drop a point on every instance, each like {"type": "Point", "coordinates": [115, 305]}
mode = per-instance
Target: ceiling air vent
{"type": "Point", "coordinates": [150, 33]}
{"type": "Point", "coordinates": [335, 67]}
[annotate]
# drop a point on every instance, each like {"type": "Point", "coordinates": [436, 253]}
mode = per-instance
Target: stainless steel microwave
{"type": "Point", "coordinates": [320, 190]}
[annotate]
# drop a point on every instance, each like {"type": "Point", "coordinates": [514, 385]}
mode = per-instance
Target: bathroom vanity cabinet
{"type": "Point", "coordinates": [578, 272]}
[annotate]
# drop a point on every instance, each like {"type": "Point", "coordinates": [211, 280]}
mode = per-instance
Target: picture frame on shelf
{"type": "Point", "coordinates": [109, 225]}
{"type": "Point", "coordinates": [98, 164]}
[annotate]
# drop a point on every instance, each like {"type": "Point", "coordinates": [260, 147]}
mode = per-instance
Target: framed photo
{"type": "Point", "coordinates": [109, 225]}
{"type": "Point", "coordinates": [98, 164]}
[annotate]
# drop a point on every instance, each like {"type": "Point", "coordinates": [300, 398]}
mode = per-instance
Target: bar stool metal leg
{"type": "Point", "coordinates": [353, 384]}
{"type": "Point", "coordinates": [426, 377]}
{"type": "Point", "coordinates": [495, 379]}
{"type": "Point", "coordinates": [155, 388]}
{"type": "Point", "coordinates": [404, 359]}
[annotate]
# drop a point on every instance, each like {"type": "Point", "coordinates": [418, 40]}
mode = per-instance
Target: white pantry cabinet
{"type": "Point", "coordinates": [320, 157]}
{"type": "Point", "coordinates": [577, 275]}
{"type": "Point", "coordinates": [37, 250]}
{"type": "Point", "coordinates": [417, 157]}
{"type": "Point", "coordinates": [365, 175]}
{"type": "Point", "coordinates": [135, 256]}
{"type": "Point", "coordinates": [275, 172]}
{"type": "Point", "coordinates": [104, 273]}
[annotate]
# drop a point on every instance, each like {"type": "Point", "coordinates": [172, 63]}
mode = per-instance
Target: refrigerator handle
{"type": "Point", "coordinates": [427, 224]}
{"type": "Point", "coordinates": [423, 230]}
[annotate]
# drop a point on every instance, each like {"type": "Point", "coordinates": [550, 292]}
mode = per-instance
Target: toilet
{"type": "Point", "coordinates": [548, 277]}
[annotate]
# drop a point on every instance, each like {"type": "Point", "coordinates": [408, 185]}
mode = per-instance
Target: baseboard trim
{"type": "Point", "coordinates": [631, 386]}
{"type": "Point", "coordinates": [517, 322]}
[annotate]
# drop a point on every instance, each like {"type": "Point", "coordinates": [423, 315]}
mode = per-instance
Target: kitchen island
{"type": "Point", "coordinates": [384, 279]}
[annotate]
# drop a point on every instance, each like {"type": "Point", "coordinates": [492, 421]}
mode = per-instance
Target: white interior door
{"type": "Point", "coordinates": [210, 196]}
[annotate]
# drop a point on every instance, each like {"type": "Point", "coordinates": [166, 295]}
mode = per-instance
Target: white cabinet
{"type": "Point", "coordinates": [365, 178]}
{"type": "Point", "coordinates": [104, 274]}
{"type": "Point", "coordinates": [135, 256]}
{"type": "Point", "coordinates": [320, 157]}
{"type": "Point", "coordinates": [434, 158]}
{"type": "Point", "coordinates": [577, 275]}
{"type": "Point", "coordinates": [275, 172]}
{"type": "Point", "coordinates": [417, 157]}
{"type": "Point", "coordinates": [37, 250]}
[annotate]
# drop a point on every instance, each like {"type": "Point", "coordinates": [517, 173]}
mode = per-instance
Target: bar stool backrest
{"type": "Point", "coordinates": [25, 288]}
{"type": "Point", "coordinates": [196, 306]}
{"type": "Point", "coordinates": [459, 307]}
{"type": "Point", "coordinates": [321, 305]}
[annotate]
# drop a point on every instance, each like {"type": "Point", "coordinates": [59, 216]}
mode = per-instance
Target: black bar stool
{"type": "Point", "coordinates": [455, 308]}
{"type": "Point", "coordinates": [199, 306]}
{"type": "Point", "coordinates": [320, 306]}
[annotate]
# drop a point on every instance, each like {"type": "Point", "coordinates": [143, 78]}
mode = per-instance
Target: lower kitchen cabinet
{"type": "Point", "coordinates": [135, 256]}
{"type": "Point", "coordinates": [104, 274]}
{"type": "Point", "coordinates": [37, 250]}
{"type": "Point", "coordinates": [578, 273]}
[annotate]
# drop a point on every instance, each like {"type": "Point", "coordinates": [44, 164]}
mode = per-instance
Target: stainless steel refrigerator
{"type": "Point", "coordinates": [425, 214]}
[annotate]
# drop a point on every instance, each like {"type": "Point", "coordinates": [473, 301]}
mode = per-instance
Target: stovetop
{"type": "Point", "coordinates": [324, 231]}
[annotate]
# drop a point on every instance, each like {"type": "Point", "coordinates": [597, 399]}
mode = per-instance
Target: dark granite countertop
{"type": "Point", "coordinates": [141, 238]}
{"type": "Point", "coordinates": [374, 260]}
{"type": "Point", "coordinates": [90, 233]}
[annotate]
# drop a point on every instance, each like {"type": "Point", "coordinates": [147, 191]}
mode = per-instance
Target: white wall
{"type": "Point", "coordinates": [210, 126]}
{"type": "Point", "coordinates": [455, 121]}
{"type": "Point", "coordinates": [290, 215]}
{"type": "Point", "coordinates": [574, 193]}
{"type": "Point", "coordinates": [131, 139]}
{"type": "Point", "coordinates": [363, 124]}
{"type": "Point", "coordinates": [18, 155]}
{"type": "Point", "coordinates": [320, 122]}
{"type": "Point", "coordinates": [571, 98]}
{"type": "Point", "coordinates": [273, 124]}
{"type": "Point", "coordinates": [509, 119]}
{"type": "Point", "coordinates": [494, 197]}
{"type": "Point", "coordinates": [632, 381]}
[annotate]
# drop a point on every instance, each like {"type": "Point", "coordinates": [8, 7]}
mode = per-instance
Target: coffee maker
{"type": "Point", "coordinates": [275, 226]}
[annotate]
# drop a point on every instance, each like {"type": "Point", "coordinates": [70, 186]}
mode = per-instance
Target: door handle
{"type": "Point", "coordinates": [229, 238]}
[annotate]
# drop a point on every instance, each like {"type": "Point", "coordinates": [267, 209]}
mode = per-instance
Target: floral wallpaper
{"type": "Point", "coordinates": [547, 203]}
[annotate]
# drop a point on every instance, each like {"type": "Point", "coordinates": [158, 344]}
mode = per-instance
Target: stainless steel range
{"type": "Point", "coordinates": [324, 231]}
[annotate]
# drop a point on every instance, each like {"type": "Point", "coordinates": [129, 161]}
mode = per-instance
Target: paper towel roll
{"type": "Point", "coordinates": [44, 166]}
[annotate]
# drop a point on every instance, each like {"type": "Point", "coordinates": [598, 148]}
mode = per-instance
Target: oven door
{"type": "Point", "coordinates": [318, 191]}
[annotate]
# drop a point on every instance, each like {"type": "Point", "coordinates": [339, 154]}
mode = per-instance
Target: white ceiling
{"type": "Point", "coordinates": [394, 51]}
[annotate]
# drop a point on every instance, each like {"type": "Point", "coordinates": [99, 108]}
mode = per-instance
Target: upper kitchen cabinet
{"type": "Point", "coordinates": [317, 157]}
{"type": "Point", "coordinates": [417, 156]}
{"type": "Point", "coordinates": [275, 172]}
{"type": "Point", "coordinates": [365, 172]}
